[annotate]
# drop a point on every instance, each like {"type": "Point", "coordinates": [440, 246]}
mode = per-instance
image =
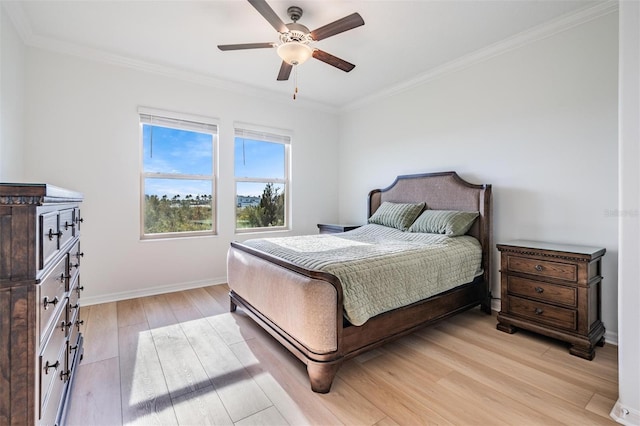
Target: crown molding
{"type": "Point", "coordinates": [16, 14]}
{"type": "Point", "coordinates": [534, 34]}
{"type": "Point", "coordinates": [21, 22]}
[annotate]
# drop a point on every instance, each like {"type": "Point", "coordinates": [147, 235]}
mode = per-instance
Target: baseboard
{"type": "Point", "coordinates": [495, 305]}
{"type": "Point", "coordinates": [611, 337]}
{"type": "Point", "coordinates": [625, 415]}
{"type": "Point", "coordinates": [152, 291]}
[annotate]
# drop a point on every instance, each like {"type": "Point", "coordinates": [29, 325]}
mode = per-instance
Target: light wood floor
{"type": "Point", "coordinates": [182, 358]}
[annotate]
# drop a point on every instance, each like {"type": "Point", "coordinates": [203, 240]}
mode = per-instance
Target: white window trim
{"type": "Point", "coordinates": [192, 122]}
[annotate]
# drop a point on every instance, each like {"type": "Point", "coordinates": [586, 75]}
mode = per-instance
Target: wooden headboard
{"type": "Point", "coordinates": [444, 191]}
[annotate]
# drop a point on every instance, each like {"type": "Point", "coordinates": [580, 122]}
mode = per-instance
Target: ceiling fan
{"type": "Point", "coordinates": [295, 39]}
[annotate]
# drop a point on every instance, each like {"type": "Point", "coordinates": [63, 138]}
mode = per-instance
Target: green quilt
{"type": "Point", "coordinates": [382, 268]}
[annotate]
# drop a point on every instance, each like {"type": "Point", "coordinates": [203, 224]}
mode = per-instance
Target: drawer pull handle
{"type": "Point", "coordinates": [76, 306]}
{"type": "Point", "coordinates": [64, 375]}
{"type": "Point", "coordinates": [64, 325]}
{"type": "Point", "coordinates": [46, 302]}
{"type": "Point", "coordinates": [73, 348]}
{"type": "Point", "coordinates": [67, 225]}
{"type": "Point", "coordinates": [539, 268]}
{"type": "Point", "coordinates": [539, 290]}
{"type": "Point", "coordinates": [47, 366]}
{"type": "Point", "coordinates": [54, 234]}
{"type": "Point", "coordinates": [74, 265]}
{"type": "Point", "coordinates": [79, 322]}
{"type": "Point", "coordinates": [80, 254]}
{"type": "Point", "coordinates": [79, 289]}
{"type": "Point", "coordinates": [538, 311]}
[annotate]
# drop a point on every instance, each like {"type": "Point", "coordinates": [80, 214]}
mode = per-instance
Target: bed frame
{"type": "Point", "coordinates": [303, 308]}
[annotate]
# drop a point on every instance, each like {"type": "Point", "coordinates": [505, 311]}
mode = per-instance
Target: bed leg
{"type": "Point", "coordinates": [321, 375]}
{"type": "Point", "coordinates": [486, 307]}
{"type": "Point", "coordinates": [232, 305]}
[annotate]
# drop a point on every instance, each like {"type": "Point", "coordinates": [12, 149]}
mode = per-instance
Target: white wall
{"type": "Point", "coordinates": [85, 137]}
{"type": "Point", "coordinates": [539, 123]}
{"type": "Point", "coordinates": [627, 408]}
{"type": "Point", "coordinates": [11, 101]}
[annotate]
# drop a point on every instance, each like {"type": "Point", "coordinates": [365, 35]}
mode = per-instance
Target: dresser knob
{"type": "Point", "coordinates": [539, 289]}
{"type": "Point", "coordinates": [47, 366]}
{"type": "Point", "coordinates": [46, 302]}
{"type": "Point", "coordinates": [538, 311]}
{"type": "Point", "coordinates": [539, 268]}
{"type": "Point", "coordinates": [54, 234]}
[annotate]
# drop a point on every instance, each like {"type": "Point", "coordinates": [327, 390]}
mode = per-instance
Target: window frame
{"type": "Point", "coordinates": [270, 135]}
{"type": "Point", "coordinates": [188, 122]}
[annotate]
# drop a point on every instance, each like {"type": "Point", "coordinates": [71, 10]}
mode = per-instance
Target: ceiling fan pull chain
{"type": "Point", "coordinates": [295, 80]}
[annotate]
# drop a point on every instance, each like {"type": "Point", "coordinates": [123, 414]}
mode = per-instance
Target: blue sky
{"type": "Point", "coordinates": [167, 150]}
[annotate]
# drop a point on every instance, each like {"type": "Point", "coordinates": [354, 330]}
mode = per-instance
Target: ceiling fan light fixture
{"type": "Point", "coordinates": [294, 52]}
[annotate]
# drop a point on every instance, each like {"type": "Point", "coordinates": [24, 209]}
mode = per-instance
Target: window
{"type": "Point", "coordinates": [178, 175]}
{"type": "Point", "coordinates": [262, 179]}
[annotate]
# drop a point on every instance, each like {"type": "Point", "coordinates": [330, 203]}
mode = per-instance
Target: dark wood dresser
{"type": "Point", "coordinates": [553, 289]}
{"type": "Point", "coordinates": [40, 340]}
{"type": "Point", "coordinates": [331, 228]}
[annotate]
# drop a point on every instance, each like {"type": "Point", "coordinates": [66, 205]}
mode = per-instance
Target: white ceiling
{"type": "Point", "coordinates": [401, 41]}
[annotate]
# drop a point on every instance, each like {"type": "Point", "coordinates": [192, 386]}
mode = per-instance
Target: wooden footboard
{"type": "Point", "coordinates": [302, 305]}
{"type": "Point", "coordinates": [303, 310]}
{"type": "Point", "coordinates": [300, 308]}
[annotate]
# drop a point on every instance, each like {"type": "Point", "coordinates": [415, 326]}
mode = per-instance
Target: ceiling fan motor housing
{"type": "Point", "coordinates": [298, 33]}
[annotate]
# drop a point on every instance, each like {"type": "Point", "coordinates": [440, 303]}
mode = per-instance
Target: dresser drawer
{"type": "Point", "coordinates": [52, 359]}
{"type": "Point", "coordinates": [74, 295]}
{"type": "Point", "coordinates": [542, 291]}
{"type": "Point", "coordinates": [52, 289]}
{"type": "Point", "coordinates": [48, 238]}
{"type": "Point", "coordinates": [543, 313]}
{"type": "Point", "coordinates": [77, 220]}
{"type": "Point", "coordinates": [543, 268]}
{"type": "Point", "coordinates": [74, 261]}
{"type": "Point", "coordinates": [66, 226]}
{"type": "Point", "coordinates": [73, 344]}
{"type": "Point", "coordinates": [50, 402]}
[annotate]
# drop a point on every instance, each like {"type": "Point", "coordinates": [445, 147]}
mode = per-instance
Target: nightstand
{"type": "Point", "coordinates": [327, 228]}
{"type": "Point", "coordinates": [554, 290]}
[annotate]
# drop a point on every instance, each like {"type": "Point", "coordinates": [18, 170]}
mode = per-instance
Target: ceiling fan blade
{"type": "Point", "coordinates": [333, 60]}
{"type": "Point", "coordinates": [341, 25]}
{"type": "Point", "coordinates": [267, 13]}
{"type": "Point", "coordinates": [246, 46]}
{"type": "Point", "coordinates": [285, 71]}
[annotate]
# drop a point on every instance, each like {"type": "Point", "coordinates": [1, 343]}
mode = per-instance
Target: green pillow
{"type": "Point", "coordinates": [448, 222]}
{"type": "Point", "coordinates": [396, 215]}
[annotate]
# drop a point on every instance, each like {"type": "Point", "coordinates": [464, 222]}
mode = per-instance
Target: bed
{"type": "Point", "coordinates": [301, 295]}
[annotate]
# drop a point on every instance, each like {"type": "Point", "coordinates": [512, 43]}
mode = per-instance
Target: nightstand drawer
{"type": "Point", "coordinates": [542, 291]}
{"type": "Point", "coordinates": [543, 268]}
{"type": "Point", "coordinates": [544, 313]}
